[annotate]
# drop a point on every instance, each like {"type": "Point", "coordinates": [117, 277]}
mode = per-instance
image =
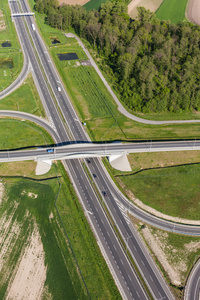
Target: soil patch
{"type": "Point", "coordinates": [2, 22]}
{"type": "Point", "coordinates": [152, 5]}
{"type": "Point", "coordinates": [174, 265]}
{"type": "Point", "coordinates": [30, 276]}
{"type": "Point", "coordinates": [1, 191]}
{"type": "Point", "coordinates": [193, 11]}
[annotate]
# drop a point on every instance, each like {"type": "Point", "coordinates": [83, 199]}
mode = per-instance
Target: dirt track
{"type": "Point", "coordinates": [73, 2]}
{"type": "Point", "coordinates": [193, 11]}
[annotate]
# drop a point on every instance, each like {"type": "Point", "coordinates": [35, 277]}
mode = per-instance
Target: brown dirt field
{"type": "Point", "coordinates": [193, 11]}
{"type": "Point", "coordinates": [73, 2]}
{"type": "Point", "coordinates": [30, 275]}
{"type": "Point", "coordinates": [152, 5]}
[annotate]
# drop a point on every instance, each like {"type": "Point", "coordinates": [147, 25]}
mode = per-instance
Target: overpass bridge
{"type": "Point", "coordinates": [116, 152]}
{"type": "Point", "coordinates": [22, 14]}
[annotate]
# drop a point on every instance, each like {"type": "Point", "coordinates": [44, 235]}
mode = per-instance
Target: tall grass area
{"type": "Point", "coordinates": [173, 10]}
{"type": "Point", "coordinates": [172, 190]}
{"type": "Point", "coordinates": [7, 75]}
{"type": "Point", "coordinates": [18, 134]}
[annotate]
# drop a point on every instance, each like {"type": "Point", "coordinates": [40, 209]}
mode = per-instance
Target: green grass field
{"type": "Point", "coordinates": [173, 10]}
{"type": "Point", "coordinates": [94, 4]}
{"type": "Point", "coordinates": [18, 99]}
{"type": "Point", "coordinates": [172, 190]}
{"type": "Point", "coordinates": [17, 134]}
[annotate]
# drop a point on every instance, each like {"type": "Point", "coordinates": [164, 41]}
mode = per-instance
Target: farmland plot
{"type": "Point", "coordinates": [35, 260]}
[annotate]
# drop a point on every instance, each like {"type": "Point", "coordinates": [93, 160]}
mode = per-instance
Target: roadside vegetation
{"type": "Point", "coordinates": [17, 134]}
{"type": "Point", "coordinates": [172, 10]}
{"type": "Point", "coordinates": [175, 254]}
{"type": "Point", "coordinates": [11, 58]}
{"type": "Point", "coordinates": [98, 110]}
{"type": "Point", "coordinates": [153, 63]}
{"type": "Point", "coordinates": [172, 190]}
{"type": "Point", "coordinates": [17, 100]}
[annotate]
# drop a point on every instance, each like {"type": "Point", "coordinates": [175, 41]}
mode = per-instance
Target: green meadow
{"type": "Point", "coordinates": [18, 134]}
{"type": "Point", "coordinates": [94, 4]}
{"type": "Point", "coordinates": [173, 10]}
{"type": "Point", "coordinates": [171, 190]}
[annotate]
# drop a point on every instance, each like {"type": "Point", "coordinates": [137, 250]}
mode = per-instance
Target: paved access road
{"type": "Point", "coordinates": [88, 150]}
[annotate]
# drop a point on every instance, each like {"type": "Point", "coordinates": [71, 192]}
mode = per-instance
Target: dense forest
{"type": "Point", "coordinates": [155, 65]}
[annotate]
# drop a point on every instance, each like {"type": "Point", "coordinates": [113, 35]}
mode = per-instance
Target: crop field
{"type": "Point", "coordinates": [34, 259]}
{"type": "Point", "coordinates": [160, 189]}
{"type": "Point", "coordinates": [173, 10]}
{"type": "Point", "coordinates": [94, 4]}
{"type": "Point", "coordinates": [48, 251]}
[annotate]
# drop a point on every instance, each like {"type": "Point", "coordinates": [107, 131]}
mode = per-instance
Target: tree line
{"type": "Point", "coordinates": [154, 65]}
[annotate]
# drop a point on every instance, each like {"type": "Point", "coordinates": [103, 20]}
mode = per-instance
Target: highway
{"type": "Point", "coordinates": [72, 129]}
{"type": "Point", "coordinates": [192, 290]}
{"type": "Point", "coordinates": [120, 267]}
